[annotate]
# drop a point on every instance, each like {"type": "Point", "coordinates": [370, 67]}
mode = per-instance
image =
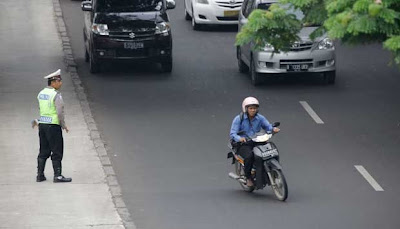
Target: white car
{"type": "Point", "coordinates": [305, 56]}
{"type": "Point", "coordinates": [202, 12]}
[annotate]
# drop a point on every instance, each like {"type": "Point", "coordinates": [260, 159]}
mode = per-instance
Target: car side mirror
{"type": "Point", "coordinates": [276, 124]}
{"type": "Point", "coordinates": [86, 6]}
{"type": "Point", "coordinates": [171, 4]}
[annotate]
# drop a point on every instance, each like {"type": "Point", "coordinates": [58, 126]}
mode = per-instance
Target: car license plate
{"type": "Point", "coordinates": [133, 45]}
{"type": "Point", "coordinates": [297, 67]}
{"type": "Point", "coordinates": [231, 13]}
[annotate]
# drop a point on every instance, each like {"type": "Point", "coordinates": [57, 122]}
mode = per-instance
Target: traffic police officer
{"type": "Point", "coordinates": [51, 123]}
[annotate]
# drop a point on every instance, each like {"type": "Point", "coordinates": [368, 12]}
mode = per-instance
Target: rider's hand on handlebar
{"type": "Point", "coordinates": [242, 140]}
{"type": "Point", "coordinates": [276, 129]}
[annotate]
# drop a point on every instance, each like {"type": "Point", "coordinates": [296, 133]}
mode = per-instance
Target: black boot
{"type": "Point", "coordinates": [57, 173]}
{"type": "Point", "coordinates": [40, 172]}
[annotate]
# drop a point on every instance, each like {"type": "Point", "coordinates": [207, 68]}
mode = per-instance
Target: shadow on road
{"type": "Point", "coordinates": [285, 80]}
{"type": "Point", "coordinates": [131, 70]}
{"type": "Point", "coordinates": [262, 195]}
{"type": "Point", "coordinates": [219, 28]}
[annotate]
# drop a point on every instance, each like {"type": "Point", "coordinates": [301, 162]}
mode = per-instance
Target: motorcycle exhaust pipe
{"type": "Point", "coordinates": [233, 176]}
{"type": "Point", "coordinates": [236, 177]}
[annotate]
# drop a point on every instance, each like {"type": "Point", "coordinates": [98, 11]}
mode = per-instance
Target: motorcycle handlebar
{"type": "Point", "coordinates": [249, 139]}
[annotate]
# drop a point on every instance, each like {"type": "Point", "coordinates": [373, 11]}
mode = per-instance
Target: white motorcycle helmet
{"type": "Point", "coordinates": [248, 102]}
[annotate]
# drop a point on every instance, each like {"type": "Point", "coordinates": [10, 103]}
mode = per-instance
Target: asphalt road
{"type": "Point", "coordinates": [167, 134]}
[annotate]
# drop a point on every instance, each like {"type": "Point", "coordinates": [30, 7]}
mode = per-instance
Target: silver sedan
{"type": "Point", "coordinates": [305, 56]}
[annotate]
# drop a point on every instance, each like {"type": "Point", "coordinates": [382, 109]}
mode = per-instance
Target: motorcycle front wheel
{"type": "Point", "coordinates": [239, 169]}
{"type": "Point", "coordinates": [280, 188]}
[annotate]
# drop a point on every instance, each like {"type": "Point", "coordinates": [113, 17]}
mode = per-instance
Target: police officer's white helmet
{"type": "Point", "coordinates": [249, 101]}
{"type": "Point", "coordinates": [54, 76]}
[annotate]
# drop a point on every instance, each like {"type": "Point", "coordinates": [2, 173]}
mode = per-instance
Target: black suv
{"type": "Point", "coordinates": [127, 30]}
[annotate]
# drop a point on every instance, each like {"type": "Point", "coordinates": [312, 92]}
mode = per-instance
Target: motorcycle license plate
{"type": "Point", "coordinates": [133, 45]}
{"type": "Point", "coordinates": [269, 152]}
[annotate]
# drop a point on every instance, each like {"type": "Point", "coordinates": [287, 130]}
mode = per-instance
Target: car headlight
{"type": "Point", "coordinates": [202, 1]}
{"type": "Point", "coordinates": [325, 44]}
{"type": "Point", "coordinates": [268, 47]}
{"type": "Point", "coordinates": [101, 29]}
{"type": "Point", "coordinates": [162, 28]}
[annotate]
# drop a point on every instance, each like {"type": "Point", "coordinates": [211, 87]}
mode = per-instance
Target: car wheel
{"type": "Point", "coordinates": [166, 65]}
{"type": "Point", "coordinates": [255, 76]}
{"type": "Point", "coordinates": [330, 77]}
{"type": "Point", "coordinates": [93, 64]}
{"type": "Point", "coordinates": [187, 16]}
{"type": "Point", "coordinates": [243, 68]}
{"type": "Point", "coordinates": [195, 25]}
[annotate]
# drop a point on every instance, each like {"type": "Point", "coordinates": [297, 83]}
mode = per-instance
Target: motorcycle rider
{"type": "Point", "coordinates": [251, 123]}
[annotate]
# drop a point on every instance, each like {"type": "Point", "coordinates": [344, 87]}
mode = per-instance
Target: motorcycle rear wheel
{"type": "Point", "coordinates": [240, 172]}
{"type": "Point", "coordinates": [280, 188]}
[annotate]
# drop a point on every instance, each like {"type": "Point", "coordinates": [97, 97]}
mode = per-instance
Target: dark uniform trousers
{"type": "Point", "coordinates": [246, 152]}
{"type": "Point", "coordinates": [51, 145]}
{"type": "Point", "coordinates": [51, 142]}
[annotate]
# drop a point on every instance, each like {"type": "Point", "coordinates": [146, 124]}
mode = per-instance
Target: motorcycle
{"type": "Point", "coordinates": [267, 150]}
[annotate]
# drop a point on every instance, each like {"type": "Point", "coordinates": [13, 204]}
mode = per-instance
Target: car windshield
{"type": "Point", "coordinates": [129, 5]}
{"type": "Point", "coordinates": [264, 6]}
{"type": "Point", "coordinates": [299, 15]}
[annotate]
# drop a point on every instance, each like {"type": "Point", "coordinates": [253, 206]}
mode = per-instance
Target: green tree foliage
{"type": "Point", "coordinates": [274, 26]}
{"type": "Point", "coordinates": [350, 21]}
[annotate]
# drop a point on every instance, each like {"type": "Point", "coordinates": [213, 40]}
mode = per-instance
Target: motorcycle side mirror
{"type": "Point", "coordinates": [276, 124]}
{"type": "Point", "coordinates": [241, 132]}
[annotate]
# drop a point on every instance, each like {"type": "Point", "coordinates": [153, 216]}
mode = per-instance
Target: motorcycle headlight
{"type": "Point", "coordinates": [262, 138]}
{"type": "Point", "coordinates": [101, 29]}
{"type": "Point", "coordinates": [202, 1]}
{"type": "Point", "coordinates": [325, 44]}
{"type": "Point", "coordinates": [268, 47]}
{"type": "Point", "coordinates": [162, 28]}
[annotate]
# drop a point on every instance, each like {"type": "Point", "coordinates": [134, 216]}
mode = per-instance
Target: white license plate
{"type": "Point", "coordinates": [297, 67]}
{"type": "Point", "coordinates": [133, 45]}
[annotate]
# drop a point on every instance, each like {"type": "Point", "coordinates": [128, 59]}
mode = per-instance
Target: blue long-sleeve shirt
{"type": "Point", "coordinates": [259, 122]}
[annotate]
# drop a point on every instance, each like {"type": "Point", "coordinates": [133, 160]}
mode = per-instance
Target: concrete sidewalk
{"type": "Point", "coordinates": [30, 48]}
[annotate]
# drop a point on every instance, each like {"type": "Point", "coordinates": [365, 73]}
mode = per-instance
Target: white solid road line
{"type": "Point", "coordinates": [369, 178]}
{"type": "Point", "coordinates": [311, 112]}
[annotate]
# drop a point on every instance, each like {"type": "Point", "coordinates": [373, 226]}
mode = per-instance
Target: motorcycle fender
{"type": "Point", "coordinates": [274, 164]}
{"type": "Point", "coordinates": [258, 150]}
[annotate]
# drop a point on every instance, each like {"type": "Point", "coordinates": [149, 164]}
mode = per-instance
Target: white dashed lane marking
{"type": "Point", "coordinates": [369, 178]}
{"type": "Point", "coordinates": [311, 112]}
{"type": "Point", "coordinates": [359, 168]}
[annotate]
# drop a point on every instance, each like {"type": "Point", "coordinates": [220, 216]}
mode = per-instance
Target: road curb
{"type": "Point", "coordinates": [95, 135]}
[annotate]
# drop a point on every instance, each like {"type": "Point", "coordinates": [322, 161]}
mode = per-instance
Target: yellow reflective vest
{"type": "Point", "coordinates": [47, 107]}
